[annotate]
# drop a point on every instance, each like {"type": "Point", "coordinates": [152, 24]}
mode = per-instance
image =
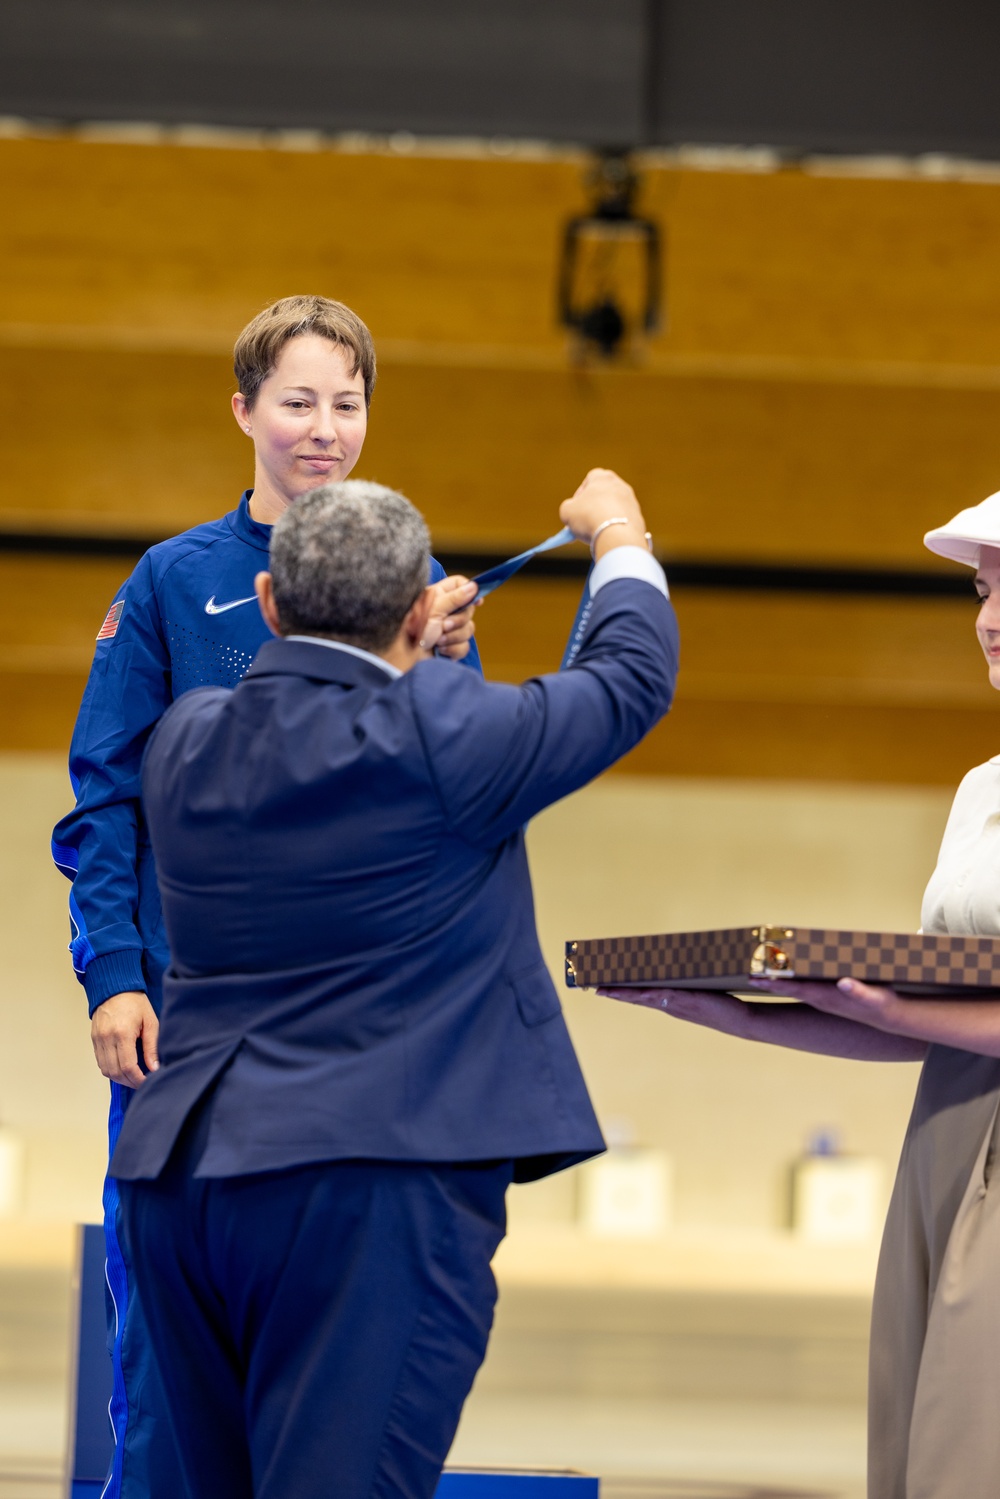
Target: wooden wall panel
{"type": "Point", "coordinates": [806, 742]}
{"type": "Point", "coordinates": [115, 441]}
{"type": "Point", "coordinates": [39, 710]}
{"type": "Point", "coordinates": [50, 612]}
{"type": "Point", "coordinates": [186, 241]}
{"type": "Point", "coordinates": [738, 469]}
{"type": "Point", "coordinates": [826, 266]}
{"type": "Point", "coordinates": [190, 242]}
{"type": "Point", "coordinates": [54, 605]}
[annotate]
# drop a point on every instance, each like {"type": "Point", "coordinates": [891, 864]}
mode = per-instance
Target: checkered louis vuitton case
{"type": "Point", "coordinates": [912, 963]}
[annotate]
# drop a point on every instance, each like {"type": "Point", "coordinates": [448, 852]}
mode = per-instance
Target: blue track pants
{"type": "Point", "coordinates": [144, 1464]}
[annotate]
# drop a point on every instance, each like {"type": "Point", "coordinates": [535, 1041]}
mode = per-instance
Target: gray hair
{"type": "Point", "coordinates": [348, 560]}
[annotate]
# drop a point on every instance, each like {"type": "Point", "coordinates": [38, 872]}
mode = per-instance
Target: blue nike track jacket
{"type": "Point", "coordinates": [187, 617]}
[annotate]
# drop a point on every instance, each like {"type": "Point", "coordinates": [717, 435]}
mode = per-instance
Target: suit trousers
{"type": "Point", "coordinates": [317, 1329]}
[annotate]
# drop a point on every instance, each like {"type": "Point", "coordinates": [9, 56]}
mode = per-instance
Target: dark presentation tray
{"type": "Point", "coordinates": [726, 959]}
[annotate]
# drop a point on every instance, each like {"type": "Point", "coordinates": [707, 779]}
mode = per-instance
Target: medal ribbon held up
{"type": "Point", "coordinates": [493, 577]}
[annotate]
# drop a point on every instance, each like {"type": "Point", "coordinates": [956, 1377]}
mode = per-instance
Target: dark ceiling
{"type": "Point", "coordinates": [907, 76]}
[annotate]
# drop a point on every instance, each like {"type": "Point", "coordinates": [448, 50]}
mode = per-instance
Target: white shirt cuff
{"type": "Point", "coordinates": [628, 562]}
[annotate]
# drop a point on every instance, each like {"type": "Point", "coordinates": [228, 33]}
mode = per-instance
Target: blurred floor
{"type": "Point", "coordinates": [684, 1396]}
{"type": "Point", "coordinates": [712, 1395]}
{"type": "Point", "coordinates": [34, 1380]}
{"type": "Point", "coordinates": [702, 1449]}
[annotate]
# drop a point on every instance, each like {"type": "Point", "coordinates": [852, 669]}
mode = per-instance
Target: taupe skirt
{"type": "Point", "coordinates": [934, 1371]}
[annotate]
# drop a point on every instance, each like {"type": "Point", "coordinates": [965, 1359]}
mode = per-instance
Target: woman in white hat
{"type": "Point", "coordinates": [934, 1388]}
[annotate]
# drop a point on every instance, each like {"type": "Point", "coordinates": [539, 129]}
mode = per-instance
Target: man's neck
{"type": "Point", "coordinates": [379, 657]}
{"type": "Point", "coordinates": [402, 653]}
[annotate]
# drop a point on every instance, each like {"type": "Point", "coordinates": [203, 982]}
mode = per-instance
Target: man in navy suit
{"type": "Point", "coordinates": [361, 1046]}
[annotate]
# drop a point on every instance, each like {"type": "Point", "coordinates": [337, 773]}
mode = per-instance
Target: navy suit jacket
{"type": "Point", "coordinates": [355, 968]}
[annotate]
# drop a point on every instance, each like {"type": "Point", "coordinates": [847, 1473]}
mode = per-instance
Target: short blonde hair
{"type": "Point", "coordinates": [264, 337]}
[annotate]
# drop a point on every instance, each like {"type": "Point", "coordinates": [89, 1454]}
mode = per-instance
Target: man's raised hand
{"type": "Point", "coordinates": [603, 496]}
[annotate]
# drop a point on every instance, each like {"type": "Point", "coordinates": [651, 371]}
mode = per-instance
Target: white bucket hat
{"type": "Point", "coordinates": [962, 536]}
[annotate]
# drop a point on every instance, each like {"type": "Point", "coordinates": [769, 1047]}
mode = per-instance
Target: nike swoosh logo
{"type": "Point", "coordinates": [213, 608]}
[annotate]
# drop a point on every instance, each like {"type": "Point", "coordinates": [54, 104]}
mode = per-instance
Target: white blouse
{"type": "Point", "coordinates": [963, 893]}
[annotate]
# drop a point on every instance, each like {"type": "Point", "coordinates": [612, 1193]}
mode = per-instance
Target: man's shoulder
{"type": "Point", "coordinates": [196, 702]}
{"type": "Point", "coordinates": [197, 705]}
{"type": "Point", "coordinates": [444, 696]}
{"type": "Point", "coordinates": [439, 676]}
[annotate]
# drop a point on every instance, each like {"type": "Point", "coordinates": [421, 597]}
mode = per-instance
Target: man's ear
{"type": "Point", "coordinates": [415, 624]}
{"type": "Point", "coordinates": [264, 589]}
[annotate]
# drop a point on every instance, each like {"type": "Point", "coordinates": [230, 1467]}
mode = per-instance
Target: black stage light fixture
{"type": "Point", "coordinates": [609, 274]}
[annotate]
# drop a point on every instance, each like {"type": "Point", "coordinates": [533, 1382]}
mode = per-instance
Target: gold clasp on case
{"type": "Point", "coordinates": [570, 966]}
{"type": "Point", "coordinates": [769, 959]}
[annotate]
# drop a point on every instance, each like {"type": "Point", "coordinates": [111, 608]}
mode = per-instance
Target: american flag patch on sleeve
{"type": "Point", "coordinates": [110, 625]}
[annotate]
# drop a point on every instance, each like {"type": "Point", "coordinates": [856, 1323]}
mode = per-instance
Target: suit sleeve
{"type": "Point", "coordinates": [96, 845]}
{"type": "Point", "coordinates": [499, 753]}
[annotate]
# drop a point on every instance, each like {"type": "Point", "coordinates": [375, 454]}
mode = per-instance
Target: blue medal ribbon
{"type": "Point", "coordinates": [580, 624]}
{"type": "Point", "coordinates": [493, 577]}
